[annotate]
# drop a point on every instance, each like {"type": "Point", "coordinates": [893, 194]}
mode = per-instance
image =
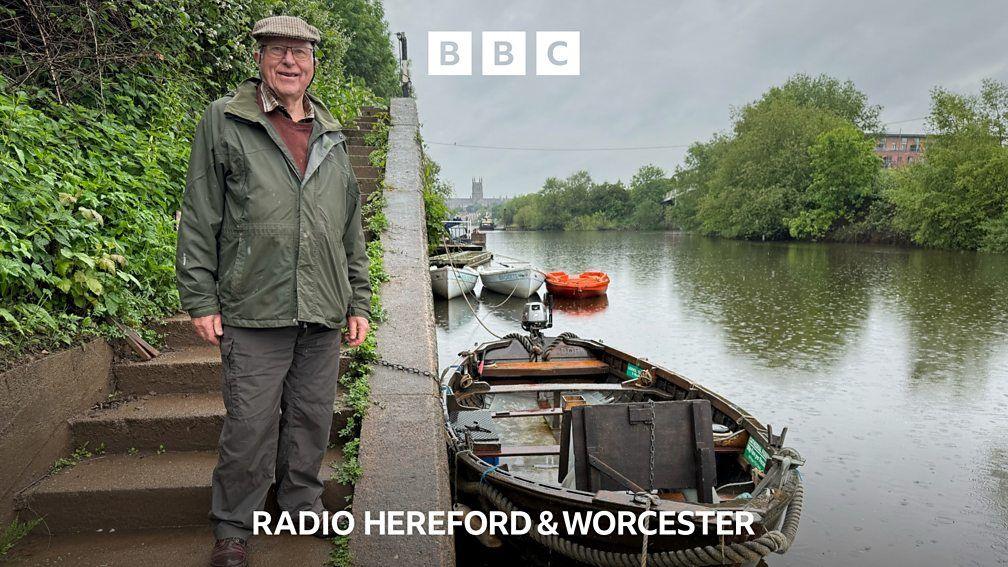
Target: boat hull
{"type": "Point", "coordinates": [449, 282]}
{"type": "Point", "coordinates": [588, 284]}
{"type": "Point", "coordinates": [517, 282]}
{"type": "Point", "coordinates": [491, 371]}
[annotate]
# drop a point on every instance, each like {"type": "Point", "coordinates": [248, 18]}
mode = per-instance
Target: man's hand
{"type": "Point", "coordinates": [209, 328]}
{"type": "Point", "coordinates": [357, 330]}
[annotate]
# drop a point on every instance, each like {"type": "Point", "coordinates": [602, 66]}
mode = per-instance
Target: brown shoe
{"type": "Point", "coordinates": [229, 552]}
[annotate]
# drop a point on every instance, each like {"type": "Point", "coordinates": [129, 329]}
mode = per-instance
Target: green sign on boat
{"type": "Point", "coordinates": [756, 454]}
{"type": "Point", "coordinates": [633, 371]}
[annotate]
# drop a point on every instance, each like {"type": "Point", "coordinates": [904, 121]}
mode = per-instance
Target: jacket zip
{"type": "Point", "coordinates": [273, 135]}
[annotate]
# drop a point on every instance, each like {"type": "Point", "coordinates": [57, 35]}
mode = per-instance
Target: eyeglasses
{"type": "Point", "coordinates": [279, 51]}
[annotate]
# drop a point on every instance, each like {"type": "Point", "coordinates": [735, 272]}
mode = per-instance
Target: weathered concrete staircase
{"type": "Point", "coordinates": [146, 499]}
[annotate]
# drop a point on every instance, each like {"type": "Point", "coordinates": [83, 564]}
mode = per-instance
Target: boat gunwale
{"type": "Point", "coordinates": [741, 418]}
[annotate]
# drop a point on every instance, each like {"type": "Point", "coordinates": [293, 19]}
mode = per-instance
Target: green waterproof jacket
{"type": "Point", "coordinates": [259, 244]}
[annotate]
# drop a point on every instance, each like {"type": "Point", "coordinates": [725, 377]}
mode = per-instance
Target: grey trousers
{"type": "Point", "coordinates": [279, 386]}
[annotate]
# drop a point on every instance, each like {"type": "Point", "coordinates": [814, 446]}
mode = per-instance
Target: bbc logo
{"type": "Point", "coordinates": [503, 53]}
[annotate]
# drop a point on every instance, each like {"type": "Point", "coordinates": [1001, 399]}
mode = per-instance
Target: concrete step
{"type": "Point", "coordinates": [178, 332]}
{"type": "Point", "coordinates": [366, 125]}
{"type": "Point", "coordinates": [374, 110]}
{"type": "Point", "coordinates": [179, 422]}
{"type": "Point", "coordinates": [357, 149]}
{"type": "Point", "coordinates": [359, 160]}
{"type": "Point", "coordinates": [356, 133]}
{"type": "Point", "coordinates": [194, 369]}
{"type": "Point", "coordinates": [366, 172]}
{"type": "Point", "coordinates": [180, 547]}
{"type": "Point", "coordinates": [367, 186]}
{"type": "Point", "coordinates": [141, 491]}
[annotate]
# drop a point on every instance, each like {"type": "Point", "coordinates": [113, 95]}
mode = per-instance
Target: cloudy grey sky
{"type": "Point", "coordinates": [661, 73]}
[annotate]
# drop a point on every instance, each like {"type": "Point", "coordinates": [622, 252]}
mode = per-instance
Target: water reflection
{"type": "Point", "coordinates": [452, 314]}
{"type": "Point", "coordinates": [580, 307]}
{"type": "Point", "coordinates": [890, 366]}
{"type": "Point", "coordinates": [503, 306]}
{"type": "Point", "coordinates": [795, 305]}
{"type": "Point", "coordinates": [954, 307]}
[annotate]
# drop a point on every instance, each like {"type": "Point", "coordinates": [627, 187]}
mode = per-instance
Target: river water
{"type": "Point", "coordinates": [888, 365]}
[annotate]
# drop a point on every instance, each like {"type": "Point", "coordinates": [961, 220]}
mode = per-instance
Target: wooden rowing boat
{"type": "Point", "coordinates": [555, 424]}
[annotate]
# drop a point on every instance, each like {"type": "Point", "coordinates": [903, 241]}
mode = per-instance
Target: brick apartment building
{"type": "Point", "coordinates": [897, 150]}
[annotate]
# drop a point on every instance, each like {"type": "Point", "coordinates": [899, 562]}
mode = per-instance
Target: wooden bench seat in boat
{"type": "Point", "coordinates": [516, 451]}
{"type": "Point", "coordinates": [548, 368]}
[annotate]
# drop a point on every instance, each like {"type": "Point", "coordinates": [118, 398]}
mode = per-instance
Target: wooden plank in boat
{"type": "Point", "coordinates": [518, 451]}
{"type": "Point", "coordinates": [528, 412]}
{"type": "Point", "coordinates": [554, 387]}
{"type": "Point", "coordinates": [459, 259]}
{"type": "Point", "coordinates": [546, 368]}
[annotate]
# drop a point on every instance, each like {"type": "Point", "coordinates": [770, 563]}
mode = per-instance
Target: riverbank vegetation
{"type": "Point", "coordinates": [799, 163]}
{"type": "Point", "coordinates": [99, 101]}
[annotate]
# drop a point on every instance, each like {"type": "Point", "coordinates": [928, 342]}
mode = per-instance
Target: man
{"type": "Point", "coordinates": [271, 264]}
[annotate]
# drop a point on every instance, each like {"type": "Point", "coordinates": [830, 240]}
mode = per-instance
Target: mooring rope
{"type": "Point", "coordinates": [451, 264]}
{"type": "Point", "coordinates": [776, 541]}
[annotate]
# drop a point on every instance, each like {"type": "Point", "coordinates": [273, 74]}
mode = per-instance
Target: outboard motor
{"type": "Point", "coordinates": [538, 315]}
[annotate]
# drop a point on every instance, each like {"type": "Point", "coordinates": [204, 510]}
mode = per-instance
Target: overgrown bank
{"type": "Point", "coordinates": [799, 163]}
{"type": "Point", "coordinates": [102, 100]}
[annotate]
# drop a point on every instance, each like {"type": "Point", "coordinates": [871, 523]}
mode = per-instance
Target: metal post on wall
{"type": "Point", "coordinates": [404, 74]}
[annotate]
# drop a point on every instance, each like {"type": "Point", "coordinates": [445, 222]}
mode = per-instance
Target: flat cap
{"type": "Point", "coordinates": [285, 26]}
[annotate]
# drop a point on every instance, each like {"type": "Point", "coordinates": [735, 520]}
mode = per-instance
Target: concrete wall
{"type": "Point", "coordinates": [38, 399]}
{"type": "Point", "coordinates": [403, 451]}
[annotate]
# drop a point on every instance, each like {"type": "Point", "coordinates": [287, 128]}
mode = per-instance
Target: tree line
{"type": "Point", "coordinates": [799, 163]}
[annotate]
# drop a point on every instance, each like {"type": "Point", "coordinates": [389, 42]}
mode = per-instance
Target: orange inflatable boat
{"type": "Point", "coordinates": [588, 284]}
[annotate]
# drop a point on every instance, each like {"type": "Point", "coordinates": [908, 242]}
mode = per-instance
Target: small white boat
{"type": "Point", "coordinates": [517, 279]}
{"type": "Point", "coordinates": [450, 282]}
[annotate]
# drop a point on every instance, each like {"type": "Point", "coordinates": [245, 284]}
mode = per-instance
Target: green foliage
{"type": "Point", "coordinates": [350, 471]}
{"type": "Point", "coordinates": [799, 163]}
{"type": "Point", "coordinates": [127, 55]}
{"type": "Point", "coordinates": [340, 555]}
{"type": "Point", "coordinates": [344, 100]}
{"type": "Point", "coordinates": [355, 385]}
{"type": "Point", "coordinates": [957, 197]}
{"type": "Point", "coordinates": [87, 221]}
{"type": "Point", "coordinates": [369, 56]}
{"type": "Point", "coordinates": [15, 532]}
{"type": "Point", "coordinates": [80, 454]}
{"type": "Point", "coordinates": [796, 164]}
{"type": "Point", "coordinates": [93, 168]}
{"type": "Point", "coordinates": [761, 175]}
{"type": "Point", "coordinates": [435, 194]}
{"type": "Point", "coordinates": [840, 98]}
{"type": "Point", "coordinates": [844, 168]}
{"type": "Point", "coordinates": [579, 203]}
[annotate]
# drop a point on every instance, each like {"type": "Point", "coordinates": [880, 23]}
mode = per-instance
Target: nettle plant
{"type": "Point", "coordinates": [86, 219]}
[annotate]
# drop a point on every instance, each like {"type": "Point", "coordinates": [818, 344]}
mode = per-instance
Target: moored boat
{"type": "Point", "coordinates": [487, 222]}
{"type": "Point", "coordinates": [573, 426]}
{"type": "Point", "coordinates": [588, 284]}
{"type": "Point", "coordinates": [518, 279]}
{"type": "Point", "coordinates": [450, 282]}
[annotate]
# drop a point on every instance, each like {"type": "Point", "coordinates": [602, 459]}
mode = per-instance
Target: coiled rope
{"type": "Point", "coordinates": [776, 541]}
{"type": "Point", "coordinates": [561, 338]}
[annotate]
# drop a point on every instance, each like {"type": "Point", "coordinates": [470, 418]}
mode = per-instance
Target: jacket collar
{"type": "Point", "coordinates": [271, 102]}
{"type": "Point", "coordinates": [244, 105]}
